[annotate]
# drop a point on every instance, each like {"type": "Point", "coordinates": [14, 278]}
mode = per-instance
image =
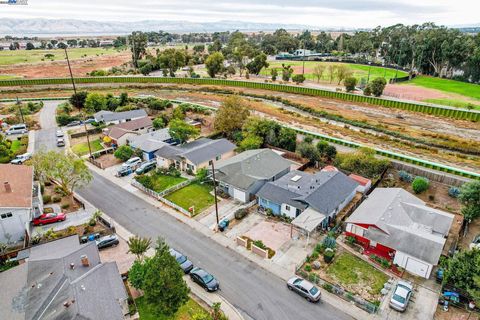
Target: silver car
{"type": "Point", "coordinates": [182, 260]}
{"type": "Point", "coordinates": [401, 296]}
{"type": "Point", "coordinates": [304, 288]}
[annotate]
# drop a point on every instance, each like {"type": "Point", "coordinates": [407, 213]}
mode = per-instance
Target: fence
{"type": "Point", "coordinates": [83, 133]}
{"type": "Point", "coordinates": [448, 112]}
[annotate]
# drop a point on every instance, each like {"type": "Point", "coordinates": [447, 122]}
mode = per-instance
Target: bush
{"type": "Point", "coordinates": [65, 206]}
{"type": "Point", "coordinates": [123, 153]}
{"type": "Point", "coordinates": [328, 287]}
{"type": "Point", "coordinates": [377, 86]}
{"type": "Point", "coordinates": [367, 91]}
{"type": "Point", "coordinates": [302, 274]}
{"type": "Point", "coordinates": [308, 268]}
{"type": "Point", "coordinates": [405, 176]}
{"type": "Point", "coordinates": [56, 199]}
{"type": "Point", "coordinates": [350, 83]}
{"type": "Point", "coordinates": [312, 276]}
{"type": "Point", "coordinates": [328, 255]}
{"type": "Point", "coordinates": [47, 198]}
{"type": "Point", "coordinates": [319, 248]}
{"type": "Point", "coordinates": [454, 192]}
{"type": "Point", "coordinates": [351, 240]}
{"type": "Point", "coordinates": [298, 78]}
{"type": "Point", "coordinates": [329, 242]}
{"type": "Point", "coordinates": [420, 184]}
{"type": "Point", "coordinates": [240, 214]}
{"type": "Point", "coordinates": [260, 244]}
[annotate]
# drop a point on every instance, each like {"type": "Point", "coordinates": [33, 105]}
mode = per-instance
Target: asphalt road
{"type": "Point", "coordinates": [45, 138]}
{"type": "Point", "coordinates": [255, 292]}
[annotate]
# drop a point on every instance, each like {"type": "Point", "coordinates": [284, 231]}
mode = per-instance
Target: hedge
{"type": "Point", "coordinates": [448, 112]}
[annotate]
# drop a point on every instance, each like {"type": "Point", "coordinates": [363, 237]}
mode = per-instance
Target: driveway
{"type": "Point", "coordinates": [256, 292]}
{"type": "Point", "coordinates": [45, 138]}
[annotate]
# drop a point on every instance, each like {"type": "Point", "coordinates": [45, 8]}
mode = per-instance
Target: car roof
{"type": "Point", "coordinates": [200, 272]}
{"type": "Point", "coordinates": [402, 291]}
{"type": "Point", "coordinates": [406, 284]}
{"type": "Point", "coordinates": [174, 252]}
{"type": "Point", "coordinates": [306, 285]}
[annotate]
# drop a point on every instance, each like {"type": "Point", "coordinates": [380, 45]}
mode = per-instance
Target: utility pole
{"type": "Point", "coordinates": [215, 191]}
{"type": "Point", "coordinates": [303, 60]}
{"type": "Point", "coordinates": [76, 101]}
{"type": "Point", "coordinates": [20, 110]}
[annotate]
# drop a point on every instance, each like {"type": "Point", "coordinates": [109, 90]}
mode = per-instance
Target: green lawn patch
{"type": "Point", "coordinates": [195, 194]}
{"type": "Point", "coordinates": [466, 89]}
{"type": "Point", "coordinates": [19, 146]}
{"type": "Point", "coordinates": [455, 103]}
{"type": "Point", "coordinates": [160, 182]}
{"type": "Point", "coordinates": [350, 270]}
{"type": "Point", "coordinates": [81, 149]}
{"type": "Point", "coordinates": [185, 312]}
{"type": "Point", "coordinates": [16, 145]}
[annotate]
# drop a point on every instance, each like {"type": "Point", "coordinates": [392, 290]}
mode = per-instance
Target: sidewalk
{"type": "Point", "coordinates": [220, 238]}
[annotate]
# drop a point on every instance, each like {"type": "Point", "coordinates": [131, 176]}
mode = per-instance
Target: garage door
{"type": "Point", "coordinates": [417, 267]}
{"type": "Point", "coordinates": [239, 195]}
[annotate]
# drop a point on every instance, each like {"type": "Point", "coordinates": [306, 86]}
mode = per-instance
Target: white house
{"type": "Point", "coordinates": [109, 117]}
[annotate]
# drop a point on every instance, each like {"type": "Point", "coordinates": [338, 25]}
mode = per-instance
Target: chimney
{"type": "Point", "coordinates": [72, 265]}
{"type": "Point", "coordinates": [84, 260]}
{"type": "Point", "coordinates": [8, 187]}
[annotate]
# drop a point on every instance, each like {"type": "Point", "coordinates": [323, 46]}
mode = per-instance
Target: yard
{"type": "Point", "coordinates": [19, 146]}
{"type": "Point", "coordinates": [159, 182]}
{"type": "Point", "coordinates": [81, 148]}
{"type": "Point", "coordinates": [470, 90]}
{"type": "Point", "coordinates": [194, 195]}
{"type": "Point", "coordinates": [185, 312]}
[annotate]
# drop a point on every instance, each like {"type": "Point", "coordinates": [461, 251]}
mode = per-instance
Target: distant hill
{"type": "Point", "coordinates": [80, 27]}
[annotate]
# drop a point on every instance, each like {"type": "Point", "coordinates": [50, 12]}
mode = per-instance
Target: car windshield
{"type": "Point", "coordinates": [207, 278]}
{"type": "Point", "coordinates": [398, 298]}
{"type": "Point", "coordinates": [313, 291]}
{"type": "Point", "coordinates": [181, 259]}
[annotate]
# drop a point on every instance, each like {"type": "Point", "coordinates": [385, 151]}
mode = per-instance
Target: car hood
{"type": "Point", "coordinates": [212, 284]}
{"type": "Point", "coordinates": [186, 264]}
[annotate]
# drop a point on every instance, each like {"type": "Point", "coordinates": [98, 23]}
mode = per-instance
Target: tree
{"type": "Point", "coordinates": [462, 271]}
{"type": "Point", "coordinates": [343, 72]}
{"type": "Point", "coordinates": [181, 131]}
{"type": "Point", "coordinates": [251, 142]}
{"type": "Point", "coordinates": [178, 113]}
{"type": "Point", "coordinates": [287, 71]}
{"type": "Point", "coordinates": [30, 46]}
{"type": "Point", "coordinates": [138, 246]}
{"type": "Point", "coordinates": [298, 78]}
{"type": "Point", "coordinates": [420, 184]}
{"type": "Point", "coordinates": [138, 44]}
{"type": "Point", "coordinates": [362, 162]}
{"type": "Point", "coordinates": [68, 170]}
{"type": "Point", "coordinates": [214, 64]}
{"type": "Point", "coordinates": [199, 48]}
{"type": "Point", "coordinates": [318, 71]}
{"type": "Point", "coordinates": [146, 68]}
{"type": "Point", "coordinates": [136, 274]}
{"type": "Point", "coordinates": [470, 198]}
{"type": "Point", "coordinates": [332, 71]}
{"type": "Point", "coordinates": [158, 123]}
{"type": "Point", "coordinates": [308, 151]}
{"type": "Point", "coordinates": [78, 100]}
{"type": "Point", "coordinates": [326, 151]}
{"type": "Point", "coordinates": [171, 60]}
{"type": "Point", "coordinates": [274, 74]}
{"type": "Point", "coordinates": [95, 102]}
{"type": "Point", "coordinates": [123, 99]}
{"type": "Point", "coordinates": [61, 45]}
{"type": "Point", "coordinates": [257, 64]}
{"type": "Point", "coordinates": [287, 139]}
{"type": "Point", "coordinates": [350, 83]}
{"type": "Point", "coordinates": [123, 153]}
{"type": "Point", "coordinates": [377, 86]}
{"type": "Point", "coordinates": [231, 115]}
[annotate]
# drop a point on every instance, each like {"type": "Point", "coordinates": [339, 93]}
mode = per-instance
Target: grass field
{"type": "Point", "coordinates": [8, 57]}
{"type": "Point", "coordinates": [455, 103]}
{"type": "Point", "coordinates": [195, 194]}
{"type": "Point", "coordinates": [185, 312]}
{"type": "Point", "coordinates": [16, 145]}
{"type": "Point", "coordinates": [7, 77]}
{"type": "Point", "coordinates": [470, 90]}
{"type": "Point", "coordinates": [81, 149]}
{"type": "Point", "coordinates": [359, 71]}
{"type": "Point", "coordinates": [163, 182]}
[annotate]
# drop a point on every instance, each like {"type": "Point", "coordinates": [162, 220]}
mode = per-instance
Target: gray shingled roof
{"type": "Point", "coordinates": [198, 151]}
{"type": "Point", "coordinates": [323, 191]}
{"type": "Point", "coordinates": [250, 166]}
{"type": "Point", "coordinates": [151, 141]}
{"type": "Point", "coordinates": [405, 222]}
{"type": "Point", "coordinates": [94, 292]}
{"type": "Point", "coordinates": [106, 116]}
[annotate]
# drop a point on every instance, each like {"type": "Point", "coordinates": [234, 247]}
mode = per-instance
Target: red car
{"type": "Point", "coordinates": [47, 218]}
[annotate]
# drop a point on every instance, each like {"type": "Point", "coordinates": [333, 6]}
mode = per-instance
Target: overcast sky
{"type": "Point", "coordinates": [323, 13]}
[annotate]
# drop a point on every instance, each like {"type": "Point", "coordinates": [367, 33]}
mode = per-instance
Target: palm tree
{"type": "Point", "coordinates": [138, 246]}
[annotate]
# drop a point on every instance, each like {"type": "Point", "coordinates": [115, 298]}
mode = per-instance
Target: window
{"type": "Point", "coordinates": [287, 207]}
{"type": "Point", "coordinates": [218, 157]}
{"type": "Point", "coordinates": [6, 215]}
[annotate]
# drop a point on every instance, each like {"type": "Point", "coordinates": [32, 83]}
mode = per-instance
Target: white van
{"type": "Point", "coordinates": [20, 128]}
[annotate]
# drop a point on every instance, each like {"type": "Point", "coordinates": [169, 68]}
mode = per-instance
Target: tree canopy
{"type": "Point", "coordinates": [231, 115]}
{"type": "Point", "coordinates": [181, 131]}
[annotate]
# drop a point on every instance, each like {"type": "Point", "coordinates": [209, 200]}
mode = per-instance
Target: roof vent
{"type": "Point", "coordinates": [296, 178]}
{"type": "Point", "coordinates": [84, 259]}
{"type": "Point", "coordinates": [82, 287]}
{"type": "Point", "coordinates": [8, 187]}
{"type": "Point", "coordinates": [72, 265]}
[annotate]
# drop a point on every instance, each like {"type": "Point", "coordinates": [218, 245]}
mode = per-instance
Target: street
{"type": "Point", "coordinates": [45, 138]}
{"type": "Point", "coordinates": [255, 292]}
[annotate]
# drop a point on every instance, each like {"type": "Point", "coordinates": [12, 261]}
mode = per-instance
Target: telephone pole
{"type": "Point", "coordinates": [215, 191]}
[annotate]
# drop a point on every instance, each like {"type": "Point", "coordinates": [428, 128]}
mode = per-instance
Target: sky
{"type": "Point", "coordinates": [321, 13]}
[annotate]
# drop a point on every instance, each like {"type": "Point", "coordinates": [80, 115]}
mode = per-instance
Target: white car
{"type": "Point", "coordinates": [401, 296]}
{"type": "Point", "coordinates": [21, 158]}
{"type": "Point", "coordinates": [59, 133]}
{"type": "Point", "coordinates": [17, 129]}
{"type": "Point", "coordinates": [132, 163]}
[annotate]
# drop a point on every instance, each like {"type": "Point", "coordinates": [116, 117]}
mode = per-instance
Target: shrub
{"type": "Point", "coordinates": [56, 199]}
{"type": "Point", "coordinates": [123, 153]}
{"type": "Point", "coordinates": [405, 176]}
{"type": "Point", "coordinates": [240, 214]}
{"type": "Point", "coordinates": [312, 276]}
{"type": "Point", "coordinates": [302, 274]}
{"type": "Point", "coordinates": [367, 91]}
{"type": "Point", "coordinates": [71, 230]}
{"type": "Point", "coordinates": [350, 83]}
{"type": "Point", "coordinates": [319, 248]}
{"type": "Point", "coordinates": [298, 78]}
{"type": "Point", "coordinates": [329, 242]}
{"type": "Point", "coordinates": [328, 255]}
{"type": "Point", "coordinates": [47, 198]}
{"type": "Point", "coordinates": [65, 206]}
{"type": "Point", "coordinates": [420, 184]}
{"type": "Point", "coordinates": [377, 86]}
{"type": "Point", "coordinates": [328, 287]}
{"type": "Point", "coordinates": [314, 255]}
{"type": "Point", "coordinates": [260, 244]}
{"type": "Point", "coordinates": [308, 268]}
{"type": "Point", "coordinates": [454, 192]}
{"type": "Point", "coordinates": [351, 240]}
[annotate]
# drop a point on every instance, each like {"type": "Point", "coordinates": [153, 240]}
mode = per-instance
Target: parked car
{"type": "Point", "coordinates": [74, 123]}
{"type": "Point", "coordinates": [204, 279]}
{"type": "Point", "coordinates": [107, 241]}
{"type": "Point", "coordinates": [60, 142]}
{"type": "Point", "coordinates": [182, 260]}
{"type": "Point", "coordinates": [304, 288]}
{"type": "Point", "coordinates": [401, 296]}
{"type": "Point", "coordinates": [132, 162]}
{"type": "Point", "coordinates": [475, 243]}
{"type": "Point", "coordinates": [48, 218]}
{"type": "Point", "coordinates": [20, 128]}
{"type": "Point", "coordinates": [59, 133]}
{"type": "Point", "coordinates": [145, 167]}
{"type": "Point", "coordinates": [124, 171]}
{"type": "Point", "coordinates": [89, 120]}
{"type": "Point", "coordinates": [21, 158]}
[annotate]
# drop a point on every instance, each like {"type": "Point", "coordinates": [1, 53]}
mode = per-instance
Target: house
{"type": "Point", "coordinates": [63, 279]}
{"type": "Point", "coordinates": [244, 174]}
{"type": "Point", "coordinates": [326, 192]}
{"type": "Point", "coordinates": [20, 202]}
{"type": "Point", "coordinates": [109, 117]}
{"type": "Point", "coordinates": [395, 224]}
{"type": "Point", "coordinates": [121, 133]}
{"type": "Point", "coordinates": [150, 142]}
{"type": "Point", "coordinates": [364, 184]}
{"type": "Point", "coordinates": [194, 155]}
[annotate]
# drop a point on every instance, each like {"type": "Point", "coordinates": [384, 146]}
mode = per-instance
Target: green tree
{"type": "Point", "coordinates": [123, 153]}
{"type": "Point", "coordinates": [298, 78]}
{"type": "Point", "coordinates": [343, 72]}
{"type": "Point", "coordinates": [178, 113]}
{"type": "Point", "coordinates": [326, 151]}
{"type": "Point", "coordinates": [251, 142]}
{"type": "Point", "coordinates": [138, 46]}
{"type": "Point", "coordinates": [308, 151]}
{"type": "Point", "coordinates": [470, 198]}
{"type": "Point", "coordinates": [350, 83]}
{"type": "Point", "coordinates": [463, 270]}
{"type": "Point", "coordinates": [30, 46]}
{"type": "Point", "coordinates": [123, 99]}
{"type": "Point", "coordinates": [78, 100]}
{"type": "Point", "coordinates": [287, 139]}
{"type": "Point", "coordinates": [231, 115]}
{"type": "Point", "coordinates": [377, 86]}
{"type": "Point", "coordinates": [318, 71]}
{"type": "Point", "coordinates": [136, 274]}
{"type": "Point", "coordinates": [214, 64]}
{"type": "Point", "coordinates": [138, 246]}
{"type": "Point", "coordinates": [201, 175]}
{"type": "Point", "coordinates": [95, 102]}
{"type": "Point", "coordinates": [172, 60]}
{"type": "Point", "coordinates": [362, 162]}
{"type": "Point", "coordinates": [257, 64]}
{"type": "Point", "coordinates": [420, 184]}
{"type": "Point", "coordinates": [287, 71]}
{"type": "Point", "coordinates": [146, 68]}
{"type": "Point", "coordinates": [181, 131]}
{"type": "Point", "coordinates": [158, 123]}
{"type": "Point", "coordinates": [274, 74]}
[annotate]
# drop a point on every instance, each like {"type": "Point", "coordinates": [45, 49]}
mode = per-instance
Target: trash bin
{"type": "Point", "coordinates": [222, 225]}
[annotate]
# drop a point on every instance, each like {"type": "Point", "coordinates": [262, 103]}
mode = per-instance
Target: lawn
{"type": "Point", "coordinates": [185, 312]}
{"type": "Point", "coordinates": [470, 90]}
{"type": "Point", "coordinates": [81, 149]}
{"type": "Point", "coordinates": [455, 103]}
{"type": "Point", "coordinates": [195, 194]}
{"type": "Point", "coordinates": [16, 145]}
{"type": "Point", "coordinates": [9, 57]}
{"type": "Point", "coordinates": [359, 71]}
{"type": "Point", "coordinates": [19, 146]}
{"type": "Point", "coordinates": [161, 182]}
{"type": "Point", "coordinates": [350, 270]}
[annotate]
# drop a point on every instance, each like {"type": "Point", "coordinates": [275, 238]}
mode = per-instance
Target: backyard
{"type": "Point", "coordinates": [194, 195]}
{"type": "Point", "coordinates": [186, 312]}
{"type": "Point", "coordinates": [81, 148]}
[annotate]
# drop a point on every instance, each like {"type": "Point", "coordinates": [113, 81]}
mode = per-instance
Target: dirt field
{"type": "Point", "coordinates": [454, 314]}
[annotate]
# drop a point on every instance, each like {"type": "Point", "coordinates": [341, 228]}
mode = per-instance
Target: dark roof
{"type": "Point", "coordinates": [50, 284]}
{"type": "Point", "coordinates": [151, 141]}
{"type": "Point", "coordinates": [198, 151]}
{"type": "Point", "coordinates": [106, 116]}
